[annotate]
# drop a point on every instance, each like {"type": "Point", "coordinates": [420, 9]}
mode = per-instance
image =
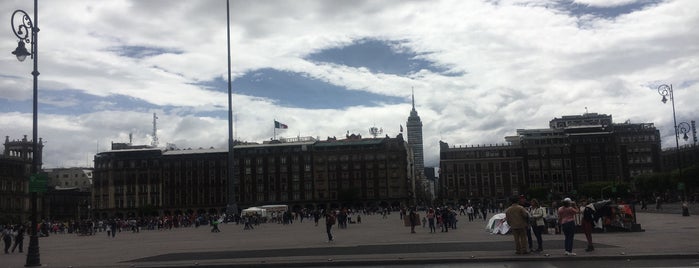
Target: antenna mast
{"type": "Point", "coordinates": [154, 143]}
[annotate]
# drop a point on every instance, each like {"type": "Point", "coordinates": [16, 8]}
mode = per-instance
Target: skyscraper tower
{"type": "Point", "coordinates": [414, 126]}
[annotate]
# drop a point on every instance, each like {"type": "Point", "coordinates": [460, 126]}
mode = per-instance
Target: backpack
{"type": "Point", "coordinates": [588, 214]}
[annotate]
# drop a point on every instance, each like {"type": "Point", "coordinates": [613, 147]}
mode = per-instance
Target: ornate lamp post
{"type": "Point", "coordinates": [681, 128]}
{"type": "Point", "coordinates": [27, 32]}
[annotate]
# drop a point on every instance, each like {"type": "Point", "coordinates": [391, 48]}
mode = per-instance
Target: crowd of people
{"type": "Point", "coordinates": [525, 217]}
{"type": "Point", "coordinates": [527, 221]}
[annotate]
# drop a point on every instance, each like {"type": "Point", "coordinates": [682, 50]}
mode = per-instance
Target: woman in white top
{"type": "Point", "coordinates": [537, 222]}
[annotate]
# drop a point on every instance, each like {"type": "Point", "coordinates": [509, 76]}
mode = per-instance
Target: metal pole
{"type": "Point", "coordinates": [232, 208]}
{"type": "Point", "coordinates": [33, 256]}
{"type": "Point", "coordinates": [667, 90]}
{"type": "Point", "coordinates": [677, 138]}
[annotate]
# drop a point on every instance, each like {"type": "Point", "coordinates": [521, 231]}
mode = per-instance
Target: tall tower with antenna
{"type": "Point", "coordinates": [154, 143]}
{"type": "Point", "coordinates": [414, 127]}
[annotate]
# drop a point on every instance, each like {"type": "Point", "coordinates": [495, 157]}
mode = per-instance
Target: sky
{"type": "Point", "coordinates": [479, 70]}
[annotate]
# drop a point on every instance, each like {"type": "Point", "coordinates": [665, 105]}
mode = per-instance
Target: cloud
{"type": "Point", "coordinates": [479, 69]}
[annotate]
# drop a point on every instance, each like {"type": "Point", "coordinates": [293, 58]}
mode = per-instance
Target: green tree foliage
{"type": "Point", "coordinates": [350, 195]}
{"type": "Point", "coordinates": [690, 177]}
{"type": "Point", "coordinates": [606, 189]}
{"type": "Point", "coordinates": [650, 183]}
{"type": "Point", "coordinates": [540, 193]}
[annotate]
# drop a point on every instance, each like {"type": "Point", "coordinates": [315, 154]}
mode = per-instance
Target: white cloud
{"type": "Point", "coordinates": [522, 65]}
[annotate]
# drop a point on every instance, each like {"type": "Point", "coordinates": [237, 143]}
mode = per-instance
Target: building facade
{"type": "Point", "coordinates": [573, 151]}
{"type": "Point", "coordinates": [480, 174]}
{"type": "Point", "coordinates": [301, 173]}
{"type": "Point", "coordinates": [80, 178]}
{"type": "Point", "coordinates": [68, 194]}
{"type": "Point", "coordinates": [15, 169]}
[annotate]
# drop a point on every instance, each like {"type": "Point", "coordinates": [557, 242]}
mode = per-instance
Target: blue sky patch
{"type": "Point", "coordinates": [292, 89]}
{"type": "Point", "coordinates": [140, 52]}
{"type": "Point", "coordinates": [75, 102]}
{"type": "Point", "coordinates": [604, 12]}
{"type": "Point", "coordinates": [387, 57]}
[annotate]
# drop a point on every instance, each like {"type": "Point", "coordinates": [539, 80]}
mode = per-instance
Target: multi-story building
{"type": "Point", "coordinates": [573, 151]}
{"type": "Point", "coordinates": [480, 172]}
{"type": "Point", "coordinates": [68, 194]}
{"type": "Point", "coordinates": [15, 169]}
{"type": "Point", "coordinates": [358, 172]}
{"type": "Point", "coordinates": [76, 177]}
{"type": "Point", "coordinates": [302, 173]}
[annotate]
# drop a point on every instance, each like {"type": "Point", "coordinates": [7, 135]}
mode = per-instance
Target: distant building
{"type": "Point", "coordinates": [76, 177]}
{"type": "Point", "coordinates": [574, 150]}
{"type": "Point", "coordinates": [301, 173]}
{"type": "Point", "coordinates": [689, 155]}
{"type": "Point", "coordinates": [479, 173]}
{"type": "Point", "coordinates": [15, 168]}
{"type": "Point", "coordinates": [68, 196]}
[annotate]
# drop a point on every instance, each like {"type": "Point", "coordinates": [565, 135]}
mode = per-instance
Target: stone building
{"type": "Point", "coordinates": [573, 151]}
{"type": "Point", "coordinates": [15, 169]}
{"type": "Point", "coordinates": [301, 173]}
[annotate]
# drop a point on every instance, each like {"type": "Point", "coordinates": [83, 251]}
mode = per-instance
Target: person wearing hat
{"type": "Point", "coordinates": [566, 217]}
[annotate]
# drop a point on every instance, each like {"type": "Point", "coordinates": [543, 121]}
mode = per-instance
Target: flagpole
{"type": "Point", "coordinates": [232, 206]}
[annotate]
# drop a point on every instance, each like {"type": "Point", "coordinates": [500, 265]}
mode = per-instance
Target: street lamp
{"type": "Point", "coordinates": [27, 32]}
{"type": "Point", "coordinates": [681, 128]}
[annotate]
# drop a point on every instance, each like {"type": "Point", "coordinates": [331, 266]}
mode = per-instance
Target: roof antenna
{"type": "Point", "coordinates": [154, 143]}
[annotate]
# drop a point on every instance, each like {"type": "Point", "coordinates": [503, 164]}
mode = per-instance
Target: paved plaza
{"type": "Point", "coordinates": [375, 241]}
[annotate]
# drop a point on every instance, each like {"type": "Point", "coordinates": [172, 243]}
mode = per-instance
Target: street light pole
{"type": "Point", "coordinates": [681, 128]}
{"type": "Point", "coordinates": [22, 31]}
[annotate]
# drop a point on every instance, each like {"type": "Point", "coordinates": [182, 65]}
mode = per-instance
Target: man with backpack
{"type": "Point", "coordinates": [588, 219]}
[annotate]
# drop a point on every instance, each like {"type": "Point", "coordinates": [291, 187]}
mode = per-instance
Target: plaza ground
{"type": "Point", "coordinates": [375, 241]}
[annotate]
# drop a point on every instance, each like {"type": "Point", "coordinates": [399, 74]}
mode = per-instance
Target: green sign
{"type": "Point", "coordinates": [680, 186]}
{"type": "Point", "coordinates": [37, 183]}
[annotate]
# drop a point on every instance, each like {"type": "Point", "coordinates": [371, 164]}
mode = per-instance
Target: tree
{"type": "Point", "coordinates": [349, 196]}
{"type": "Point", "coordinates": [540, 193]}
{"type": "Point", "coordinates": [605, 189]}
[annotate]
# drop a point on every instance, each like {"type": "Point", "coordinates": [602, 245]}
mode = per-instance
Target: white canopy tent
{"type": "Point", "coordinates": [497, 224]}
{"type": "Point", "coordinates": [254, 210]}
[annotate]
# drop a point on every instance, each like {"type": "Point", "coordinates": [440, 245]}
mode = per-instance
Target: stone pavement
{"type": "Point", "coordinates": [375, 241]}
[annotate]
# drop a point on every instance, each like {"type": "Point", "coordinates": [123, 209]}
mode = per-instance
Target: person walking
{"type": "Point", "coordinates": [329, 222]}
{"type": "Point", "coordinates": [430, 220]}
{"type": "Point", "coordinates": [537, 223]}
{"type": "Point", "coordinates": [316, 217]}
{"type": "Point", "coordinates": [414, 219]}
{"type": "Point", "coordinates": [114, 227]}
{"type": "Point", "coordinates": [566, 217]}
{"type": "Point", "coordinates": [469, 212]}
{"type": "Point", "coordinates": [19, 238]}
{"type": "Point", "coordinates": [214, 226]}
{"type": "Point", "coordinates": [7, 238]}
{"type": "Point", "coordinates": [445, 220]}
{"type": "Point", "coordinates": [588, 219]}
{"type": "Point", "coordinates": [517, 217]}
